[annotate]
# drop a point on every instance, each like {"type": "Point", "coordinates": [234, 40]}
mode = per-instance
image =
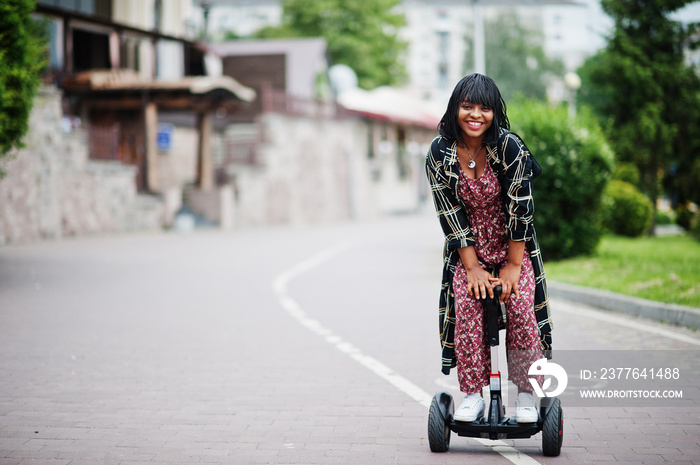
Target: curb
{"type": "Point", "coordinates": [607, 300]}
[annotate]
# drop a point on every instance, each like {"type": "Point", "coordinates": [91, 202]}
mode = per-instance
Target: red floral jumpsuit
{"type": "Point", "coordinates": [482, 197]}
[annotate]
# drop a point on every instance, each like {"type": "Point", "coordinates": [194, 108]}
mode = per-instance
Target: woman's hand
{"type": "Point", "coordinates": [480, 283]}
{"type": "Point", "coordinates": [510, 273]}
{"type": "Point", "coordinates": [510, 277]}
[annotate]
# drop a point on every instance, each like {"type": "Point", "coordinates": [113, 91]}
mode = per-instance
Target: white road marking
{"type": "Point", "coordinates": [279, 286]}
{"type": "Point", "coordinates": [292, 307]}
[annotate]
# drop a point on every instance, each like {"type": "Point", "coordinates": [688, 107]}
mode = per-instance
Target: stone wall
{"type": "Point", "coordinates": [53, 190]}
{"type": "Point", "coordinates": [291, 169]}
{"type": "Point", "coordinates": [308, 170]}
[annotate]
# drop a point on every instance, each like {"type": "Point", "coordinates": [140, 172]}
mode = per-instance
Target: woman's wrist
{"type": "Point", "coordinates": [469, 258]}
{"type": "Point", "coordinates": [515, 262]}
{"type": "Point", "coordinates": [516, 250]}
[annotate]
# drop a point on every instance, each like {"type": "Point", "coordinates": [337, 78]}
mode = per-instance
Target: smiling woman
{"type": "Point", "coordinates": [480, 90]}
{"type": "Point", "coordinates": [481, 178]}
{"type": "Point", "coordinates": [474, 121]}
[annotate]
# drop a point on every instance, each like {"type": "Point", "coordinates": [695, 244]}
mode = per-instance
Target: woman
{"type": "Point", "coordinates": [481, 176]}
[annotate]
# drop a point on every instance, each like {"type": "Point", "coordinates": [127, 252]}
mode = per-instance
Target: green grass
{"type": "Point", "coordinates": [663, 269]}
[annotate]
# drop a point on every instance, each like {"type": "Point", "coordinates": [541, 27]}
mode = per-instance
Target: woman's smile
{"type": "Point", "coordinates": [474, 119]}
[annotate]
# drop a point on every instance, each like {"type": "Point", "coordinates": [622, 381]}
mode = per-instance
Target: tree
{"type": "Point", "coordinates": [641, 85]}
{"type": "Point", "coordinates": [21, 60]}
{"type": "Point", "coordinates": [362, 35]}
{"type": "Point", "coordinates": [515, 58]}
{"type": "Point", "coordinates": [576, 165]}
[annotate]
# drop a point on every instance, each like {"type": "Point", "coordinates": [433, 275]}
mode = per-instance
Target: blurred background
{"type": "Point", "coordinates": [210, 211]}
{"type": "Point", "coordinates": [130, 116]}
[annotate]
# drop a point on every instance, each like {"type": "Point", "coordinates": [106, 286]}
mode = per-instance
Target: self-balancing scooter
{"type": "Point", "coordinates": [496, 426]}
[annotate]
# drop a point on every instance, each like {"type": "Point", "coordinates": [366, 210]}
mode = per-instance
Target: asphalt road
{"type": "Point", "coordinates": [287, 345]}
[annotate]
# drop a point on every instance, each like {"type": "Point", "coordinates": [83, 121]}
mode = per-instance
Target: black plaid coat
{"type": "Point", "coordinates": [515, 168]}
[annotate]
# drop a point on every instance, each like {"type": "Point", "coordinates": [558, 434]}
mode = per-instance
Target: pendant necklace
{"type": "Point", "coordinates": [471, 163]}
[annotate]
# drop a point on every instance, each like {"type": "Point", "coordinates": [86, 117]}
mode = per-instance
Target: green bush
{"type": "Point", "coordinates": [22, 58]}
{"type": "Point", "coordinates": [695, 226]}
{"type": "Point", "coordinates": [628, 212]}
{"type": "Point", "coordinates": [684, 216]}
{"type": "Point", "coordinates": [576, 165]}
{"type": "Point", "coordinates": [627, 172]}
{"type": "Point", "coordinates": [663, 217]}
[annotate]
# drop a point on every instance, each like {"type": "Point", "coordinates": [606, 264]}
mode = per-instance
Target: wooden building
{"type": "Point", "coordinates": [115, 82]}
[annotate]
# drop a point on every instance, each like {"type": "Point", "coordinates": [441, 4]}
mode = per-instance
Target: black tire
{"type": "Point", "coordinates": [553, 430]}
{"type": "Point", "coordinates": [438, 430]}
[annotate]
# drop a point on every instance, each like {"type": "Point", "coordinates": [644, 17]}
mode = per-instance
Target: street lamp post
{"type": "Point", "coordinates": [479, 41]}
{"type": "Point", "coordinates": [206, 6]}
{"type": "Point", "coordinates": [573, 83]}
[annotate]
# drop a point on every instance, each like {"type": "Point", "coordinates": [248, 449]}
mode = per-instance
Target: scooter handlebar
{"type": "Point", "coordinates": [497, 292]}
{"type": "Point", "coordinates": [491, 308]}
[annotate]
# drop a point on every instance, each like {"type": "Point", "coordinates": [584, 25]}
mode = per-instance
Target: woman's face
{"type": "Point", "coordinates": [474, 119]}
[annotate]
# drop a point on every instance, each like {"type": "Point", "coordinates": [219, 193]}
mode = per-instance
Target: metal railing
{"type": "Point", "coordinates": [277, 101]}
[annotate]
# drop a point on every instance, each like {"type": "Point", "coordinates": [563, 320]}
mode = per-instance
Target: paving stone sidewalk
{"type": "Point", "coordinates": [174, 349]}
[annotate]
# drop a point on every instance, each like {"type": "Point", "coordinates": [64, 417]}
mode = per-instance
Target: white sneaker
{"type": "Point", "coordinates": [472, 408]}
{"type": "Point", "coordinates": [525, 408]}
